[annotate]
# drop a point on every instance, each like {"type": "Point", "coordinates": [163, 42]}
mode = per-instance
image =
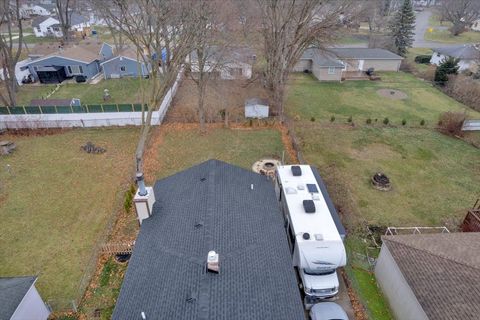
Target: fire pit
{"type": "Point", "coordinates": [381, 182]}
{"type": "Point", "coordinates": [266, 167]}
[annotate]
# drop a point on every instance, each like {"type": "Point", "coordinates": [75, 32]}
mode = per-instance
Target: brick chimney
{"type": "Point", "coordinates": [144, 199]}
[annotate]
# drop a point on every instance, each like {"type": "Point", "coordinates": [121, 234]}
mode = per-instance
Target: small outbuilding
{"type": "Point", "coordinates": [431, 276]}
{"type": "Point", "coordinates": [127, 63]}
{"type": "Point", "coordinates": [256, 108]}
{"type": "Point", "coordinates": [20, 300]}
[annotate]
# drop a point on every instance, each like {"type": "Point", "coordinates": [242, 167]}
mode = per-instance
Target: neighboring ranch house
{"type": "Point", "coordinates": [476, 25]}
{"type": "Point", "coordinates": [68, 63]}
{"type": "Point", "coordinates": [228, 64]}
{"type": "Point", "coordinates": [324, 66]}
{"type": "Point", "coordinates": [332, 64]}
{"type": "Point", "coordinates": [362, 59]}
{"type": "Point", "coordinates": [469, 56]}
{"type": "Point", "coordinates": [46, 27]}
{"type": "Point", "coordinates": [33, 10]}
{"type": "Point", "coordinates": [125, 64]}
{"type": "Point", "coordinates": [431, 276]}
{"type": "Point", "coordinates": [79, 23]}
{"type": "Point", "coordinates": [20, 300]}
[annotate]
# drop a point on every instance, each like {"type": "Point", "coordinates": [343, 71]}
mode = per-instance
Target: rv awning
{"type": "Point", "coordinates": [49, 68]}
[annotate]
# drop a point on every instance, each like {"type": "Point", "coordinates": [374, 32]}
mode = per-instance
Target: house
{"type": "Point", "coordinates": [362, 59]}
{"type": "Point", "coordinates": [79, 23]}
{"type": "Point", "coordinates": [213, 206]}
{"type": "Point", "coordinates": [469, 56]}
{"type": "Point", "coordinates": [229, 63]}
{"type": "Point", "coordinates": [27, 10]}
{"type": "Point", "coordinates": [125, 63]}
{"type": "Point", "coordinates": [476, 25]}
{"type": "Point", "coordinates": [323, 65]}
{"type": "Point", "coordinates": [19, 299]}
{"type": "Point", "coordinates": [77, 60]}
{"type": "Point", "coordinates": [431, 276]}
{"type": "Point", "coordinates": [332, 64]}
{"type": "Point", "coordinates": [44, 26]}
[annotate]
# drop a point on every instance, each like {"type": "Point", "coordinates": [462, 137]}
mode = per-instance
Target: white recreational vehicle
{"type": "Point", "coordinates": [314, 237]}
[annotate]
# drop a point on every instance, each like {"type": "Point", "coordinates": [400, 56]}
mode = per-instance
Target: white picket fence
{"type": "Point", "coordinates": [104, 119]}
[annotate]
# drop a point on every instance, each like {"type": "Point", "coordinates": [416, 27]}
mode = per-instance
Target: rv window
{"type": "Point", "coordinates": [318, 272]}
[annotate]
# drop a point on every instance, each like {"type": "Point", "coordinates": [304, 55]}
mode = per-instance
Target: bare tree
{"type": "Point", "coordinates": [288, 28]}
{"type": "Point", "coordinates": [64, 12]}
{"type": "Point", "coordinates": [461, 13]}
{"type": "Point", "coordinates": [10, 52]}
{"type": "Point", "coordinates": [161, 34]}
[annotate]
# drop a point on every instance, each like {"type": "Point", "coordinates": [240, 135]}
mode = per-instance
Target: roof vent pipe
{"type": "Point", "coordinates": [142, 190]}
{"type": "Point", "coordinates": [213, 264]}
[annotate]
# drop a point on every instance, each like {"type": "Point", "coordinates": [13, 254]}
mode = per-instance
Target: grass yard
{"type": "Point", "coordinates": [360, 100]}
{"type": "Point", "coordinates": [180, 149]}
{"type": "Point", "coordinates": [55, 201]}
{"type": "Point", "coordinates": [127, 90]}
{"type": "Point", "coordinates": [440, 33]}
{"type": "Point", "coordinates": [412, 53]}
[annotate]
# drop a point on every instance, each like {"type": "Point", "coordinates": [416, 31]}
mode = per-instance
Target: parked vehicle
{"type": "Point", "coordinates": [328, 311]}
{"type": "Point", "coordinates": [317, 247]}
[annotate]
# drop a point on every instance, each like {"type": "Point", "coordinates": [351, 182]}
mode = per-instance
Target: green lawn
{"type": "Point", "coordinates": [55, 200]}
{"type": "Point", "coordinates": [126, 90]}
{"type": "Point", "coordinates": [360, 100]}
{"type": "Point", "coordinates": [412, 53]}
{"type": "Point", "coordinates": [445, 35]}
{"type": "Point", "coordinates": [187, 147]}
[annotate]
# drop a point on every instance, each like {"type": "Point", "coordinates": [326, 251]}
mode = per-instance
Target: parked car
{"type": "Point", "coordinates": [327, 311]}
{"type": "Point", "coordinates": [28, 79]}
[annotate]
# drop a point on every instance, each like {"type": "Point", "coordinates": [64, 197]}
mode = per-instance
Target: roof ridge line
{"type": "Point", "coordinates": [435, 254]}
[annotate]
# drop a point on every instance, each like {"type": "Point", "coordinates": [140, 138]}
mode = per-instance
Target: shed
{"type": "Point", "coordinates": [125, 64]}
{"type": "Point", "coordinates": [212, 206]}
{"type": "Point", "coordinates": [20, 300]}
{"type": "Point", "coordinates": [431, 276]}
{"type": "Point", "coordinates": [256, 108]}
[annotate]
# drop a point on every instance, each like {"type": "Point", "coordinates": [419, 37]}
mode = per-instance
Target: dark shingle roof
{"type": "Point", "coordinates": [12, 291]}
{"type": "Point", "coordinates": [321, 58]}
{"type": "Point", "coordinates": [443, 271]}
{"type": "Point", "coordinates": [468, 52]}
{"type": "Point", "coordinates": [364, 53]}
{"type": "Point", "coordinates": [37, 20]}
{"type": "Point", "coordinates": [211, 207]}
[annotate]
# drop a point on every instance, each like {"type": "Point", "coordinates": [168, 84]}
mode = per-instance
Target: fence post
{"type": "Point", "coordinates": [40, 108]}
{"type": "Point", "coordinates": [56, 110]}
{"type": "Point", "coordinates": [71, 108]}
{"type": "Point", "coordinates": [24, 111]}
{"type": "Point", "coordinates": [101, 106]}
{"type": "Point", "coordinates": [8, 109]}
{"type": "Point", "coordinates": [133, 108]}
{"type": "Point", "coordinates": [86, 106]}
{"type": "Point", "coordinates": [118, 110]}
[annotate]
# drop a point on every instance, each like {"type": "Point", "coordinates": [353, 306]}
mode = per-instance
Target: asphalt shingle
{"type": "Point", "coordinates": [211, 206]}
{"type": "Point", "coordinates": [443, 271]}
{"type": "Point", "coordinates": [12, 291]}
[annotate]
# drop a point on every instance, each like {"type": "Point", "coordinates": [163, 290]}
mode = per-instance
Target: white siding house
{"type": "Point", "coordinates": [469, 56]}
{"type": "Point", "coordinates": [46, 27]}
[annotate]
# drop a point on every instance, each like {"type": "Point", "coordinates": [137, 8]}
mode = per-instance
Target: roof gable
{"type": "Point", "coordinates": [211, 206]}
{"type": "Point", "coordinates": [443, 271]}
{"type": "Point", "coordinates": [467, 52]}
{"type": "Point", "coordinates": [12, 291]}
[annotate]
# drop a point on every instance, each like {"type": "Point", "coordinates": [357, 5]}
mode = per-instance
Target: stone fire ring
{"type": "Point", "coordinates": [381, 182]}
{"type": "Point", "coordinates": [266, 166]}
{"type": "Point", "coordinates": [392, 94]}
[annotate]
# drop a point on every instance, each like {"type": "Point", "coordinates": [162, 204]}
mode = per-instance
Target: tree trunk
{"type": "Point", "coordinates": [201, 103]}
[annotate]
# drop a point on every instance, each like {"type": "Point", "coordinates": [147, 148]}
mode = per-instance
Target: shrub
{"type": "Point", "coordinates": [405, 66]}
{"type": "Point", "coordinates": [312, 119]}
{"type": "Point", "coordinates": [127, 203]}
{"type": "Point", "coordinates": [404, 122]}
{"type": "Point", "coordinates": [464, 89]}
{"type": "Point", "coordinates": [423, 58]}
{"type": "Point", "coordinates": [349, 119]}
{"type": "Point", "coordinates": [422, 122]}
{"type": "Point", "coordinates": [451, 123]}
{"type": "Point", "coordinates": [369, 121]}
{"type": "Point", "coordinates": [332, 118]}
{"type": "Point", "coordinates": [446, 67]}
{"type": "Point", "coordinates": [386, 121]}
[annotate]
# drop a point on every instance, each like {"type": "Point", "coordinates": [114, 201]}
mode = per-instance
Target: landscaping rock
{"type": "Point", "coordinates": [91, 148]}
{"type": "Point", "coordinates": [6, 147]}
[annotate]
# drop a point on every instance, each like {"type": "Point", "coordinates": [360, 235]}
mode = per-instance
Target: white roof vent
{"type": "Point", "coordinates": [319, 237]}
{"type": "Point", "coordinates": [213, 263]}
{"type": "Point", "coordinates": [290, 190]}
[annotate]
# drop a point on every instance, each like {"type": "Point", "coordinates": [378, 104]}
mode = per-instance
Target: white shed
{"type": "Point", "coordinates": [19, 299]}
{"type": "Point", "coordinates": [256, 108]}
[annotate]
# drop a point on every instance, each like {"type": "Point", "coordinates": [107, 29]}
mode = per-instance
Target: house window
{"type": "Point", "coordinates": [331, 70]}
{"type": "Point", "coordinates": [75, 70]}
{"type": "Point", "coordinates": [38, 29]}
{"type": "Point", "coordinates": [123, 68]}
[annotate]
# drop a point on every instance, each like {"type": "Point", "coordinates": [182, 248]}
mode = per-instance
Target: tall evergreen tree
{"type": "Point", "coordinates": [402, 27]}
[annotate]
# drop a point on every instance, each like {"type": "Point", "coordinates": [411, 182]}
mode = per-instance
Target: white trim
{"type": "Point", "coordinates": [121, 57]}
{"type": "Point", "coordinates": [105, 44]}
{"type": "Point", "coordinates": [331, 70]}
{"type": "Point", "coordinates": [57, 56]}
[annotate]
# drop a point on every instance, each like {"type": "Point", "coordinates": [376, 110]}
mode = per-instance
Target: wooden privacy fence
{"type": "Point", "coordinates": [125, 247]}
{"type": "Point", "coordinates": [471, 223]}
